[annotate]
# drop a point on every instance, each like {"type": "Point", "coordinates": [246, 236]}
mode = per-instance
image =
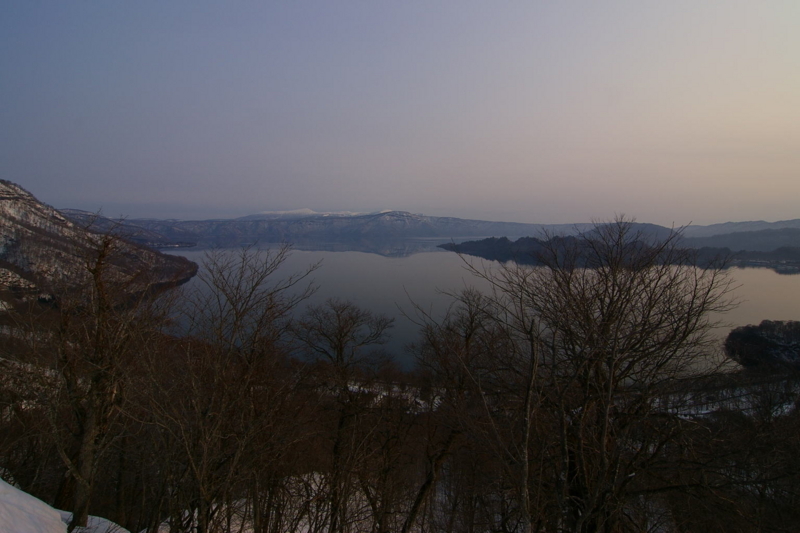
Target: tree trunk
{"type": "Point", "coordinates": [430, 480]}
{"type": "Point", "coordinates": [85, 471]}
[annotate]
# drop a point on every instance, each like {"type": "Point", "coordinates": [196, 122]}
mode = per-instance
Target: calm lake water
{"type": "Point", "coordinates": [391, 285]}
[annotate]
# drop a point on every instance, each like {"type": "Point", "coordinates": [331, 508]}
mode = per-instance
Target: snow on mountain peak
{"type": "Point", "coordinates": [297, 212]}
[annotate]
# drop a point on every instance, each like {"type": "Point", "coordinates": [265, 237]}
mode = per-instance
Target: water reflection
{"type": "Point", "coordinates": [393, 284]}
{"type": "Point", "coordinates": [402, 248]}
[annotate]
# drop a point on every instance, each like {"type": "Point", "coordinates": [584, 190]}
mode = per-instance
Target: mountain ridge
{"type": "Point", "coordinates": [724, 228]}
{"type": "Point", "coordinates": [391, 226]}
{"type": "Point", "coordinates": [41, 248]}
{"type": "Point", "coordinates": [381, 231]}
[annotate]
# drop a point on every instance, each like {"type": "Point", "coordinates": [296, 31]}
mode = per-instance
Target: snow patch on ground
{"type": "Point", "coordinates": [21, 513]}
{"type": "Point", "coordinates": [95, 524]}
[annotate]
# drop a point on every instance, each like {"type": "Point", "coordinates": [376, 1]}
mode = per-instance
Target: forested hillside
{"type": "Point", "coordinates": [566, 399]}
{"type": "Point", "coordinates": [41, 251]}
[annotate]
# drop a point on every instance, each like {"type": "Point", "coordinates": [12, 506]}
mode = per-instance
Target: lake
{"type": "Point", "coordinates": [392, 285]}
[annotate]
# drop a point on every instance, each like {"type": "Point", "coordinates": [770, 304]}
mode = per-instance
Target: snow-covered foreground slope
{"type": "Point", "coordinates": [94, 525]}
{"type": "Point", "coordinates": [22, 513]}
{"type": "Point", "coordinates": [19, 512]}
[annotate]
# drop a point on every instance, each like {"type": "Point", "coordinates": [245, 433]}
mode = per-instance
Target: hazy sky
{"type": "Point", "coordinates": [669, 111]}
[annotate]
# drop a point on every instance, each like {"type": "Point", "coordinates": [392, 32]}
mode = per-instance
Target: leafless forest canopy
{"type": "Point", "coordinates": [568, 397]}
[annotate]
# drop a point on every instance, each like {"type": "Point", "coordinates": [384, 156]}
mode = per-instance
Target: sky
{"type": "Point", "coordinates": [530, 111]}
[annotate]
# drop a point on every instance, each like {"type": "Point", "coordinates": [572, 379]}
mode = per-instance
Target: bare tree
{"type": "Point", "coordinates": [340, 334]}
{"type": "Point", "coordinates": [83, 340]}
{"type": "Point", "coordinates": [223, 393]}
{"type": "Point", "coordinates": [459, 353]}
{"type": "Point", "coordinates": [598, 333]}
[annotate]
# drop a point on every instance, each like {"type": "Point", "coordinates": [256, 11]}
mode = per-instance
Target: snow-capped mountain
{"type": "Point", "coordinates": [306, 212]}
{"type": "Point", "coordinates": [305, 226]}
{"type": "Point", "coordinates": [387, 231]}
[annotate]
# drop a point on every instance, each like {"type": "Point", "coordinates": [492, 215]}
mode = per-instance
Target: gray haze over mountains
{"type": "Point", "coordinates": [401, 232]}
{"type": "Point", "coordinates": [305, 228]}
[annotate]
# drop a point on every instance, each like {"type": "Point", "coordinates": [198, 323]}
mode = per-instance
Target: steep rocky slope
{"type": "Point", "coordinates": [41, 249]}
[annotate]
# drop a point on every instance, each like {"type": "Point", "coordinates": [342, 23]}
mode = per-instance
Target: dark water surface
{"type": "Point", "coordinates": [389, 285]}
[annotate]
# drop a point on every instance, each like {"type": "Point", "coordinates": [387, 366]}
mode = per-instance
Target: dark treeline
{"type": "Point", "coordinates": [528, 251]}
{"type": "Point", "coordinates": [564, 399]}
{"type": "Point", "coordinates": [769, 345]}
